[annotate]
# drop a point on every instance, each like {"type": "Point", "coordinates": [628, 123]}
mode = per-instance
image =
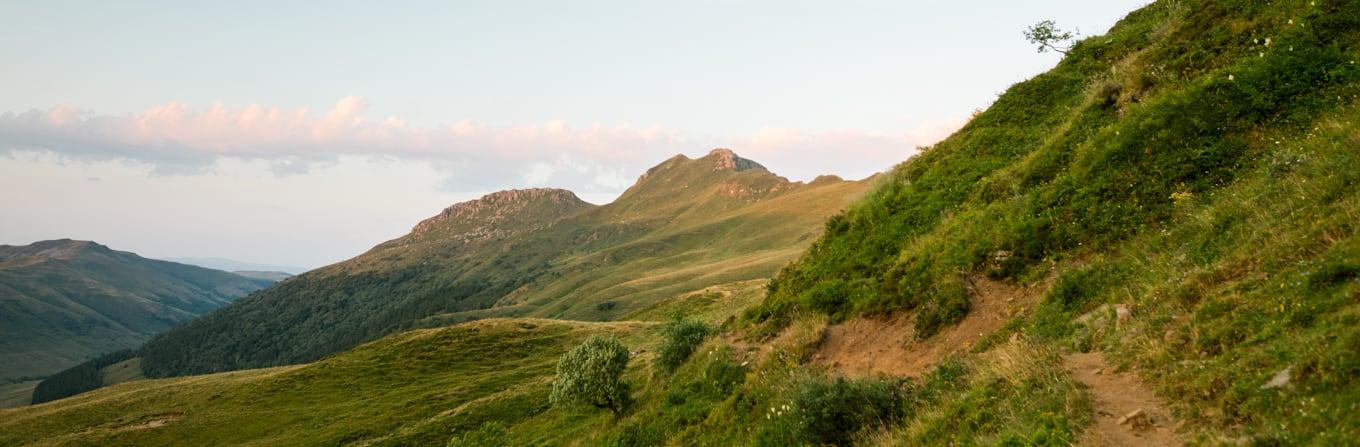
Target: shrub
{"type": "Point", "coordinates": [830, 411]}
{"type": "Point", "coordinates": [682, 336]}
{"type": "Point", "coordinates": [490, 434]}
{"type": "Point", "coordinates": [592, 374]}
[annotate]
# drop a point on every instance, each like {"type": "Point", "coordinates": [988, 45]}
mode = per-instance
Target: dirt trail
{"type": "Point", "coordinates": [869, 346]}
{"type": "Point", "coordinates": [1127, 413]}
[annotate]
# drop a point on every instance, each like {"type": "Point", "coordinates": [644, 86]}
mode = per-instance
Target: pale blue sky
{"type": "Point", "coordinates": [142, 109]}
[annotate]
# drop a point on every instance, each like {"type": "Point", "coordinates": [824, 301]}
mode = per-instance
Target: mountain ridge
{"type": "Point", "coordinates": [66, 300]}
{"type": "Point", "coordinates": [687, 224]}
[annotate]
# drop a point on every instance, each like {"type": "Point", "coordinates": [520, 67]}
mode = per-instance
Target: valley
{"type": "Point", "coordinates": [1154, 242]}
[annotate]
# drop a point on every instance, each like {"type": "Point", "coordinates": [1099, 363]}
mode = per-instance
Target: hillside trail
{"type": "Point", "coordinates": [1127, 413]}
{"type": "Point", "coordinates": [888, 345]}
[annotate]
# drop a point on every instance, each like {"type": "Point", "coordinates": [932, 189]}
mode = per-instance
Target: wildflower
{"type": "Point", "coordinates": [1230, 78]}
{"type": "Point", "coordinates": [1267, 41]}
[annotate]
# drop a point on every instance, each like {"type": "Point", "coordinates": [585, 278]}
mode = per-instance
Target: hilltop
{"type": "Point", "coordinates": [65, 301]}
{"type": "Point", "coordinates": [687, 224]}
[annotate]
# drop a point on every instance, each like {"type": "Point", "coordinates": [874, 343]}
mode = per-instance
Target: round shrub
{"type": "Point", "coordinates": [592, 374]}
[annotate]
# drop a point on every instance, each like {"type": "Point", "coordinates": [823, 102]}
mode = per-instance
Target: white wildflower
{"type": "Point", "coordinates": [1231, 78]}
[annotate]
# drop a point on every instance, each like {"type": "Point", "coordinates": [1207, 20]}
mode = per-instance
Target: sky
{"type": "Point", "coordinates": [292, 133]}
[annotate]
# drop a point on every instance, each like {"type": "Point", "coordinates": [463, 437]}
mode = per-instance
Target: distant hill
{"type": "Point", "coordinates": [273, 276]}
{"type": "Point", "coordinates": [231, 265]}
{"type": "Point", "coordinates": [64, 301]}
{"type": "Point", "coordinates": [686, 224]}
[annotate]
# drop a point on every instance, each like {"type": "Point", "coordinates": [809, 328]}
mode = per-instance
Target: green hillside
{"type": "Point", "coordinates": [686, 225]}
{"type": "Point", "coordinates": [1153, 243]}
{"type": "Point", "coordinates": [65, 301]}
{"type": "Point", "coordinates": [489, 381]}
{"type": "Point", "coordinates": [1196, 168]}
{"type": "Point", "coordinates": [408, 389]}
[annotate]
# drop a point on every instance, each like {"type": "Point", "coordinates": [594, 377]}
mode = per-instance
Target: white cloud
{"type": "Point", "coordinates": [177, 139]}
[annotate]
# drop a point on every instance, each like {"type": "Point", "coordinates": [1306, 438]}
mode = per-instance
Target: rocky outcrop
{"type": "Point", "coordinates": [502, 206]}
{"type": "Point", "coordinates": [724, 158]}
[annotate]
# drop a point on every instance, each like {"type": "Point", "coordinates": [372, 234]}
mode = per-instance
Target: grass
{"type": "Point", "coordinates": [416, 388]}
{"type": "Point", "coordinates": [687, 226]}
{"type": "Point", "coordinates": [1180, 167]}
{"type": "Point", "coordinates": [1189, 192]}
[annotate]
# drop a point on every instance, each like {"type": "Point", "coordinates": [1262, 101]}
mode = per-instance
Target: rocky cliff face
{"type": "Point", "coordinates": [724, 158]}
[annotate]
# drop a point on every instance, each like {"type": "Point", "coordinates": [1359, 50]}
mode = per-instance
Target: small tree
{"type": "Point", "coordinates": [1047, 36]}
{"type": "Point", "coordinates": [592, 373]}
{"type": "Point", "coordinates": [682, 337]}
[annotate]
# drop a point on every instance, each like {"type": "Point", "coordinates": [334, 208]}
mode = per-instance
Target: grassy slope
{"type": "Point", "coordinates": [426, 386]}
{"type": "Point", "coordinates": [414, 388]}
{"type": "Point", "coordinates": [1221, 212]}
{"type": "Point", "coordinates": [687, 224]}
{"type": "Point", "coordinates": [66, 301]}
{"type": "Point", "coordinates": [1197, 164]}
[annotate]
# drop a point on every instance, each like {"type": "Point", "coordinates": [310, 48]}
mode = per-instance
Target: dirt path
{"type": "Point", "coordinates": [1127, 413]}
{"type": "Point", "coordinates": [869, 346]}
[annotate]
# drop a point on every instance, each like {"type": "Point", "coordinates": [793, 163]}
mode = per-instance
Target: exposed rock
{"type": "Point", "coordinates": [1136, 419]}
{"type": "Point", "coordinates": [1281, 379]}
{"type": "Point", "coordinates": [726, 159]}
{"type": "Point", "coordinates": [1121, 314]}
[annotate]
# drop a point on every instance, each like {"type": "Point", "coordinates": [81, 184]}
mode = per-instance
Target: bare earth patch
{"type": "Point", "coordinates": [1126, 412]}
{"type": "Point", "coordinates": [888, 345]}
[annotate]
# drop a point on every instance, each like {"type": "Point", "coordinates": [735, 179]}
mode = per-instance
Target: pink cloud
{"type": "Point", "coordinates": [177, 138]}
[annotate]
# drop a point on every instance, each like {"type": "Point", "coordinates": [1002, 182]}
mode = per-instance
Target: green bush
{"type": "Point", "coordinates": [490, 434]}
{"type": "Point", "coordinates": [830, 411]}
{"type": "Point", "coordinates": [592, 373]}
{"type": "Point", "coordinates": [682, 337]}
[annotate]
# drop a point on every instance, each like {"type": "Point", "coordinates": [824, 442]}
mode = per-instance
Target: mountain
{"type": "Point", "coordinates": [231, 265]}
{"type": "Point", "coordinates": [271, 276]}
{"type": "Point", "coordinates": [687, 224]}
{"type": "Point", "coordinates": [64, 301]}
{"type": "Point", "coordinates": [1153, 243]}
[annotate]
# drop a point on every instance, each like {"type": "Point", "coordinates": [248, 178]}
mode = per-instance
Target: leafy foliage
{"type": "Point", "coordinates": [829, 411]}
{"type": "Point", "coordinates": [1048, 37]}
{"type": "Point", "coordinates": [592, 373]}
{"type": "Point", "coordinates": [681, 336]}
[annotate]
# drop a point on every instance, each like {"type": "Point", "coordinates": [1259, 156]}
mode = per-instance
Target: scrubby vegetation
{"type": "Point", "coordinates": [592, 373]}
{"type": "Point", "coordinates": [1194, 169]}
{"type": "Point", "coordinates": [681, 336]}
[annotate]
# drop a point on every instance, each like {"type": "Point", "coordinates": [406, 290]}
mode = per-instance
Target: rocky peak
{"type": "Point", "coordinates": [724, 158]}
{"type": "Point", "coordinates": [502, 206]}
